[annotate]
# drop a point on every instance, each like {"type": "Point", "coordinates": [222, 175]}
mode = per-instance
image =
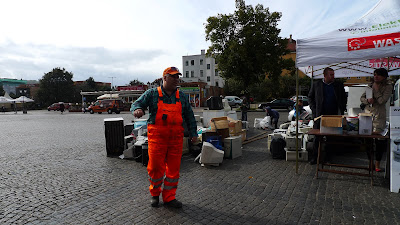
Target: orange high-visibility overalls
{"type": "Point", "coordinates": [165, 139]}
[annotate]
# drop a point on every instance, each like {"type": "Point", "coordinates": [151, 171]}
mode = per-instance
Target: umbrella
{"type": "Point", "coordinates": [5, 100]}
{"type": "Point", "coordinates": [23, 99]}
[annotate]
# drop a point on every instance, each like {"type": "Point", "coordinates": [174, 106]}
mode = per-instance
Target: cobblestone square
{"type": "Point", "coordinates": [54, 170]}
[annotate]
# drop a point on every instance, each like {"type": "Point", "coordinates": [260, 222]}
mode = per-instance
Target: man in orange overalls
{"type": "Point", "coordinates": [169, 108]}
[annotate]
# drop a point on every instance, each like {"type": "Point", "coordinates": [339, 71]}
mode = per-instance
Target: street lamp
{"type": "Point", "coordinates": [23, 101]}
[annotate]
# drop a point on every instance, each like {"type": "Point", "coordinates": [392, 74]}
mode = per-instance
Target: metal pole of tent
{"type": "Point", "coordinates": [297, 120]}
{"type": "Point", "coordinates": [312, 75]}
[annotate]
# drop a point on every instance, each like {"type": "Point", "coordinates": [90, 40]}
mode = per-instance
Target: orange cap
{"type": "Point", "coordinates": [171, 70]}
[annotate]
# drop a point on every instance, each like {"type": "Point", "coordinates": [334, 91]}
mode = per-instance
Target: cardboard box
{"type": "Point", "coordinates": [365, 123]}
{"type": "Point", "coordinates": [219, 123]}
{"type": "Point", "coordinates": [331, 124]}
{"type": "Point", "coordinates": [243, 134]}
{"type": "Point", "coordinates": [224, 133]}
{"type": "Point", "coordinates": [235, 126]}
{"type": "Point", "coordinates": [209, 114]}
{"type": "Point", "coordinates": [232, 147]}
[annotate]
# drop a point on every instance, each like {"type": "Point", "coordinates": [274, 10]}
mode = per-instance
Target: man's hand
{"type": "Point", "coordinates": [138, 113]}
{"type": "Point", "coordinates": [194, 140]}
{"type": "Point", "coordinates": [370, 101]}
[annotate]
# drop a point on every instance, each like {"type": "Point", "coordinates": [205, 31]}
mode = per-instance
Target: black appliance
{"type": "Point", "coordinates": [214, 103]}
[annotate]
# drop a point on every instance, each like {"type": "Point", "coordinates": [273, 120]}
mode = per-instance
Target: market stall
{"type": "Point", "coordinates": [357, 50]}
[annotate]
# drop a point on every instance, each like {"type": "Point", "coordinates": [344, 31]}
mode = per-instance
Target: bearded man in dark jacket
{"type": "Point", "coordinates": [326, 97]}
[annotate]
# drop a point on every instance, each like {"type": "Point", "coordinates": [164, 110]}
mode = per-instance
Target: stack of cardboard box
{"type": "Point", "coordinates": [235, 129]}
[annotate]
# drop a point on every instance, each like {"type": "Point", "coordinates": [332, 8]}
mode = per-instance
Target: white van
{"type": "Point", "coordinates": [233, 100]}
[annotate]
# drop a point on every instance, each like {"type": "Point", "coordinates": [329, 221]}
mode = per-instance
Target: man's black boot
{"type": "Point", "coordinates": [174, 203]}
{"type": "Point", "coordinates": [155, 200]}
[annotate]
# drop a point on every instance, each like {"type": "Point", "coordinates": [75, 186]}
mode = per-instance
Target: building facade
{"type": "Point", "coordinates": [10, 85]}
{"type": "Point", "coordinates": [200, 68]}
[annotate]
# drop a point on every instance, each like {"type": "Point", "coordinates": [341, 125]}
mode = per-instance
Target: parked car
{"type": "Point", "coordinates": [280, 103]}
{"type": "Point", "coordinates": [233, 100]}
{"type": "Point", "coordinates": [301, 97]}
{"type": "Point", "coordinates": [106, 105]}
{"type": "Point", "coordinates": [56, 106]}
{"type": "Point", "coordinates": [306, 108]}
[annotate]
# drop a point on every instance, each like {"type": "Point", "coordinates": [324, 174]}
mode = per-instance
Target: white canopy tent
{"type": "Point", "coordinates": [356, 50]}
{"type": "Point", "coordinates": [4, 99]}
{"type": "Point", "coordinates": [108, 96]}
{"type": "Point", "coordinates": [22, 99]}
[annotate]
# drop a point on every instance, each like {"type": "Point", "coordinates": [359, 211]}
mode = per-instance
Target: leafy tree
{"type": "Point", "coordinates": [91, 83]}
{"type": "Point", "coordinates": [2, 92]}
{"type": "Point", "coordinates": [267, 90]}
{"type": "Point", "coordinates": [246, 45]}
{"type": "Point", "coordinates": [56, 86]}
{"type": "Point", "coordinates": [135, 82]}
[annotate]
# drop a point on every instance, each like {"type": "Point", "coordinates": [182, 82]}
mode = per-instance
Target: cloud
{"type": "Point", "coordinates": [24, 61]}
{"type": "Point", "coordinates": [135, 39]}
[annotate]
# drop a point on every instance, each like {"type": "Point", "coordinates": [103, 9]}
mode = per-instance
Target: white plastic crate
{"type": "Point", "coordinates": [291, 142]}
{"type": "Point", "coordinates": [270, 136]}
{"type": "Point", "coordinates": [291, 155]}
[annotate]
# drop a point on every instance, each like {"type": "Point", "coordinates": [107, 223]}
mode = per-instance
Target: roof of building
{"type": "Point", "coordinates": [8, 80]}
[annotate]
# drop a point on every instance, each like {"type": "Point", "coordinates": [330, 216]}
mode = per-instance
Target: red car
{"type": "Point", "coordinates": [56, 106]}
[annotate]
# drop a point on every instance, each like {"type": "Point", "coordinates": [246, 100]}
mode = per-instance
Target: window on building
{"type": "Point", "coordinates": [208, 79]}
{"type": "Point", "coordinates": [201, 73]}
{"type": "Point", "coordinates": [192, 73]}
{"type": "Point", "coordinates": [208, 66]}
{"type": "Point", "coordinates": [348, 78]}
{"type": "Point", "coordinates": [216, 84]}
{"type": "Point", "coordinates": [201, 62]}
{"type": "Point", "coordinates": [216, 72]}
{"type": "Point", "coordinates": [358, 77]}
{"type": "Point", "coordinates": [187, 73]}
{"type": "Point", "coordinates": [187, 63]}
{"type": "Point", "coordinates": [192, 62]}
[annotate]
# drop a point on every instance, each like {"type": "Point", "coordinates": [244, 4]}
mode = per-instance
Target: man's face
{"type": "Point", "coordinates": [329, 77]}
{"type": "Point", "coordinates": [171, 81]}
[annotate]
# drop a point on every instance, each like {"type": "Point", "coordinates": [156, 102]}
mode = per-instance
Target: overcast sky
{"type": "Point", "coordinates": [136, 39]}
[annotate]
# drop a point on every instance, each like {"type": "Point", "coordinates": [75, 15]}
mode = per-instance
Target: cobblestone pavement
{"type": "Point", "coordinates": [54, 170]}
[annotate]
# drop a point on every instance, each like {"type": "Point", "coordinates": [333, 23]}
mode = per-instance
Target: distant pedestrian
{"type": "Point", "coordinates": [244, 107]}
{"type": "Point", "coordinates": [84, 107]}
{"type": "Point", "coordinates": [274, 116]}
{"type": "Point", "coordinates": [3, 109]}
{"type": "Point", "coordinates": [298, 113]}
{"type": "Point", "coordinates": [62, 108]}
